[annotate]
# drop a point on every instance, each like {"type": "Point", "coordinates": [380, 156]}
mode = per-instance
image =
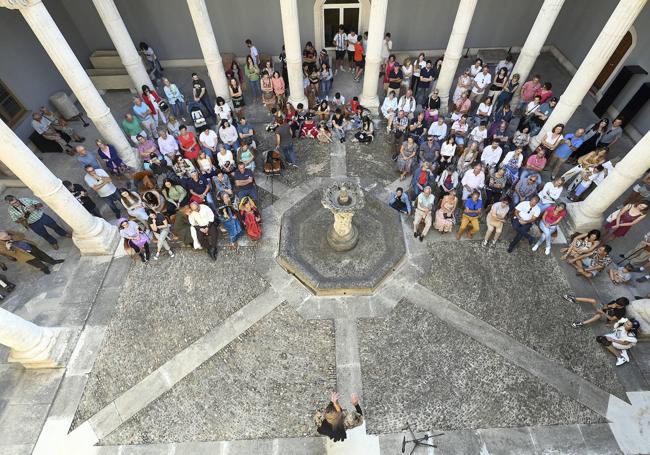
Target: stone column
{"type": "Point", "coordinates": [454, 51]}
{"type": "Point", "coordinates": [31, 345]}
{"type": "Point", "coordinates": [123, 44]}
{"type": "Point", "coordinates": [376, 30]}
{"type": "Point", "coordinates": [57, 48]}
{"type": "Point", "coordinates": [208, 43]}
{"type": "Point", "coordinates": [293, 49]}
{"type": "Point", "coordinates": [589, 213]}
{"type": "Point", "coordinates": [92, 235]}
{"type": "Point", "coordinates": [612, 32]}
{"type": "Point", "coordinates": [535, 41]}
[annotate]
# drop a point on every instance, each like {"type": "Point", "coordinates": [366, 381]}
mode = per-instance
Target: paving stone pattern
{"type": "Point", "coordinates": [372, 161]}
{"type": "Point", "coordinates": [266, 384]}
{"type": "Point", "coordinates": [416, 369]}
{"type": "Point", "coordinates": [164, 306]}
{"type": "Point", "coordinates": [520, 294]}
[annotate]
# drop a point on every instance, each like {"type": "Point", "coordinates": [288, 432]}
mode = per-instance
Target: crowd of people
{"type": "Point", "coordinates": [465, 164]}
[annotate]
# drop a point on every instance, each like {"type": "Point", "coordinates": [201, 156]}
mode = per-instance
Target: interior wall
{"type": "Point", "coordinates": [26, 70]}
{"type": "Point", "coordinates": [573, 23]}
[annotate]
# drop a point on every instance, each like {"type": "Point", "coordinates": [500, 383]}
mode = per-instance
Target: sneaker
{"type": "Point", "coordinates": [494, 242]}
{"type": "Point", "coordinates": [156, 256]}
{"type": "Point", "coordinates": [577, 324]}
{"type": "Point", "coordinates": [621, 360]}
{"type": "Point", "coordinates": [643, 279]}
{"type": "Point", "coordinates": [535, 247]}
{"type": "Point", "coordinates": [485, 243]}
{"type": "Point", "coordinates": [547, 251]}
{"type": "Point", "coordinates": [569, 298]}
{"type": "Point", "coordinates": [421, 238]}
{"type": "Point", "coordinates": [625, 356]}
{"type": "Point", "coordinates": [171, 253]}
{"type": "Point", "coordinates": [415, 234]}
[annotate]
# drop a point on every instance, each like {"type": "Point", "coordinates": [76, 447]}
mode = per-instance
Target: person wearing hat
{"type": "Point", "coordinates": [14, 246]}
{"type": "Point", "coordinates": [29, 213]}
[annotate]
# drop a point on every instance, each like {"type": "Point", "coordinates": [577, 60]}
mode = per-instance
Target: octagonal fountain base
{"type": "Point", "coordinates": [306, 253]}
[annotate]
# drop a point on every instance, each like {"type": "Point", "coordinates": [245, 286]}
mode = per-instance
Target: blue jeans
{"type": "Point", "coordinates": [547, 231]}
{"type": "Point", "coordinates": [39, 227]}
{"type": "Point", "coordinates": [325, 87]}
{"type": "Point", "coordinates": [179, 109]}
{"type": "Point", "coordinates": [112, 200]}
{"type": "Point", "coordinates": [255, 88]}
{"type": "Point", "coordinates": [289, 153]}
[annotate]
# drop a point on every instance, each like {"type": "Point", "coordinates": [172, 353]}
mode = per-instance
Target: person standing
{"type": "Point", "coordinates": [526, 214]}
{"type": "Point", "coordinates": [339, 41]}
{"type": "Point", "coordinates": [86, 158]}
{"type": "Point", "coordinates": [145, 116]}
{"type": "Point", "coordinates": [284, 143]}
{"type": "Point", "coordinates": [175, 98]}
{"type": "Point", "coordinates": [44, 127]}
{"type": "Point", "coordinates": [80, 194]}
{"type": "Point", "coordinates": [423, 213]}
{"type": "Point", "coordinates": [254, 53]}
{"type": "Point", "coordinates": [481, 81]}
{"type": "Point", "coordinates": [200, 94]}
{"type": "Point", "coordinates": [29, 213]}
{"type": "Point", "coordinates": [201, 218]}
{"type": "Point", "coordinates": [102, 183]}
{"type": "Point", "coordinates": [14, 246]}
{"type": "Point", "coordinates": [132, 127]}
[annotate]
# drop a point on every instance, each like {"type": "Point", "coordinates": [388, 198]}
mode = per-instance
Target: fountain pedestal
{"type": "Point", "coordinates": [343, 199]}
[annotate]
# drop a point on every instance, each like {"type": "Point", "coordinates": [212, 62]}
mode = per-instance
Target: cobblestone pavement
{"type": "Point", "coordinates": [417, 369]}
{"type": "Point", "coordinates": [520, 294]}
{"type": "Point", "coordinates": [266, 384]}
{"type": "Point", "coordinates": [164, 306]}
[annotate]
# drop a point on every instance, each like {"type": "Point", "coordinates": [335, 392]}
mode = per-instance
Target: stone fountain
{"type": "Point", "coordinates": [343, 199]}
{"type": "Point", "coordinates": [338, 256]}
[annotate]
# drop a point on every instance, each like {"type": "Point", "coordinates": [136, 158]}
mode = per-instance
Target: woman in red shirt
{"type": "Point", "coordinates": [152, 100]}
{"type": "Point", "coordinates": [189, 145]}
{"type": "Point", "coordinates": [548, 225]}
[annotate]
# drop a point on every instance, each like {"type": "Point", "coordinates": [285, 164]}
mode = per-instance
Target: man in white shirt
{"type": "Point", "coordinates": [491, 155]}
{"type": "Point", "coordinates": [255, 55]}
{"type": "Point", "coordinates": [473, 180]}
{"type": "Point", "coordinates": [550, 193]}
{"type": "Point", "coordinates": [438, 129]}
{"type": "Point", "coordinates": [167, 145]}
{"type": "Point", "coordinates": [386, 48]}
{"type": "Point", "coordinates": [102, 183]}
{"type": "Point", "coordinates": [423, 210]}
{"type": "Point", "coordinates": [526, 214]}
{"type": "Point", "coordinates": [209, 141]}
{"type": "Point", "coordinates": [202, 218]}
{"type": "Point", "coordinates": [351, 41]}
{"type": "Point", "coordinates": [339, 44]}
{"type": "Point", "coordinates": [479, 84]}
{"type": "Point", "coordinates": [505, 63]}
{"type": "Point", "coordinates": [478, 133]}
{"type": "Point", "coordinates": [407, 103]}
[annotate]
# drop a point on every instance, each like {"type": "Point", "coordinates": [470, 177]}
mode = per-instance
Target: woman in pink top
{"type": "Point", "coordinates": [528, 91]}
{"type": "Point", "coordinates": [278, 88]}
{"type": "Point", "coordinates": [548, 225]}
{"type": "Point", "coordinates": [534, 165]}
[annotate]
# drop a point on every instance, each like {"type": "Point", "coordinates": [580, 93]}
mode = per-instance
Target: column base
{"type": "Point", "coordinates": [369, 102]}
{"type": "Point", "coordinates": [297, 100]}
{"type": "Point", "coordinates": [101, 240]}
{"type": "Point", "coordinates": [342, 243]}
{"type": "Point", "coordinates": [578, 221]}
{"type": "Point", "coordinates": [51, 351]}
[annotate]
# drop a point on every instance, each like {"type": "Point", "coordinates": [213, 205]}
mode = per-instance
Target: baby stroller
{"type": "Point", "coordinates": [197, 115]}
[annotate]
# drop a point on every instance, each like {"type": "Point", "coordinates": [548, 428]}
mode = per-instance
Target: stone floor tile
{"type": "Point", "coordinates": [21, 423]}
{"type": "Point", "coordinates": [507, 441]}
{"type": "Point", "coordinates": [16, 449]}
{"type": "Point", "coordinates": [599, 440]}
{"type": "Point", "coordinates": [558, 439]}
{"type": "Point", "coordinates": [37, 386]}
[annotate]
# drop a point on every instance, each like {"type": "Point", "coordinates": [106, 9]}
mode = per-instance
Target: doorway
{"type": "Point", "coordinates": [615, 61]}
{"type": "Point", "coordinates": [335, 13]}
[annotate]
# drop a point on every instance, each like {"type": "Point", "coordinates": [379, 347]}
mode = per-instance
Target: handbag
{"type": "Point", "coordinates": [162, 104]}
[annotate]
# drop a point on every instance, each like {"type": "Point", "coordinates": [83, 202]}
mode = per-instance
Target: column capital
{"type": "Point", "coordinates": [18, 4]}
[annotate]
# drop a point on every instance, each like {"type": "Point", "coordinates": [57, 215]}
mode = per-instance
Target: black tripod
{"type": "Point", "coordinates": [418, 442]}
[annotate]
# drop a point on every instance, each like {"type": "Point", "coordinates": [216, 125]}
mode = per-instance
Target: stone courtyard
{"type": "Point", "coordinates": [190, 356]}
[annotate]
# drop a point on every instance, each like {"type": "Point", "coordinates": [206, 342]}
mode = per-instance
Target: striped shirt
{"type": "Point", "coordinates": [17, 213]}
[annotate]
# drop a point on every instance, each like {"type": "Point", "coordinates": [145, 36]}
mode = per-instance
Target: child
{"type": "Point", "coordinates": [621, 275]}
{"type": "Point", "coordinates": [324, 134]}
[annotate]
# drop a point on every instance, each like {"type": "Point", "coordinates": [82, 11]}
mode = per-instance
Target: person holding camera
{"type": "Point", "coordinates": [14, 247]}
{"type": "Point", "coordinates": [29, 213]}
